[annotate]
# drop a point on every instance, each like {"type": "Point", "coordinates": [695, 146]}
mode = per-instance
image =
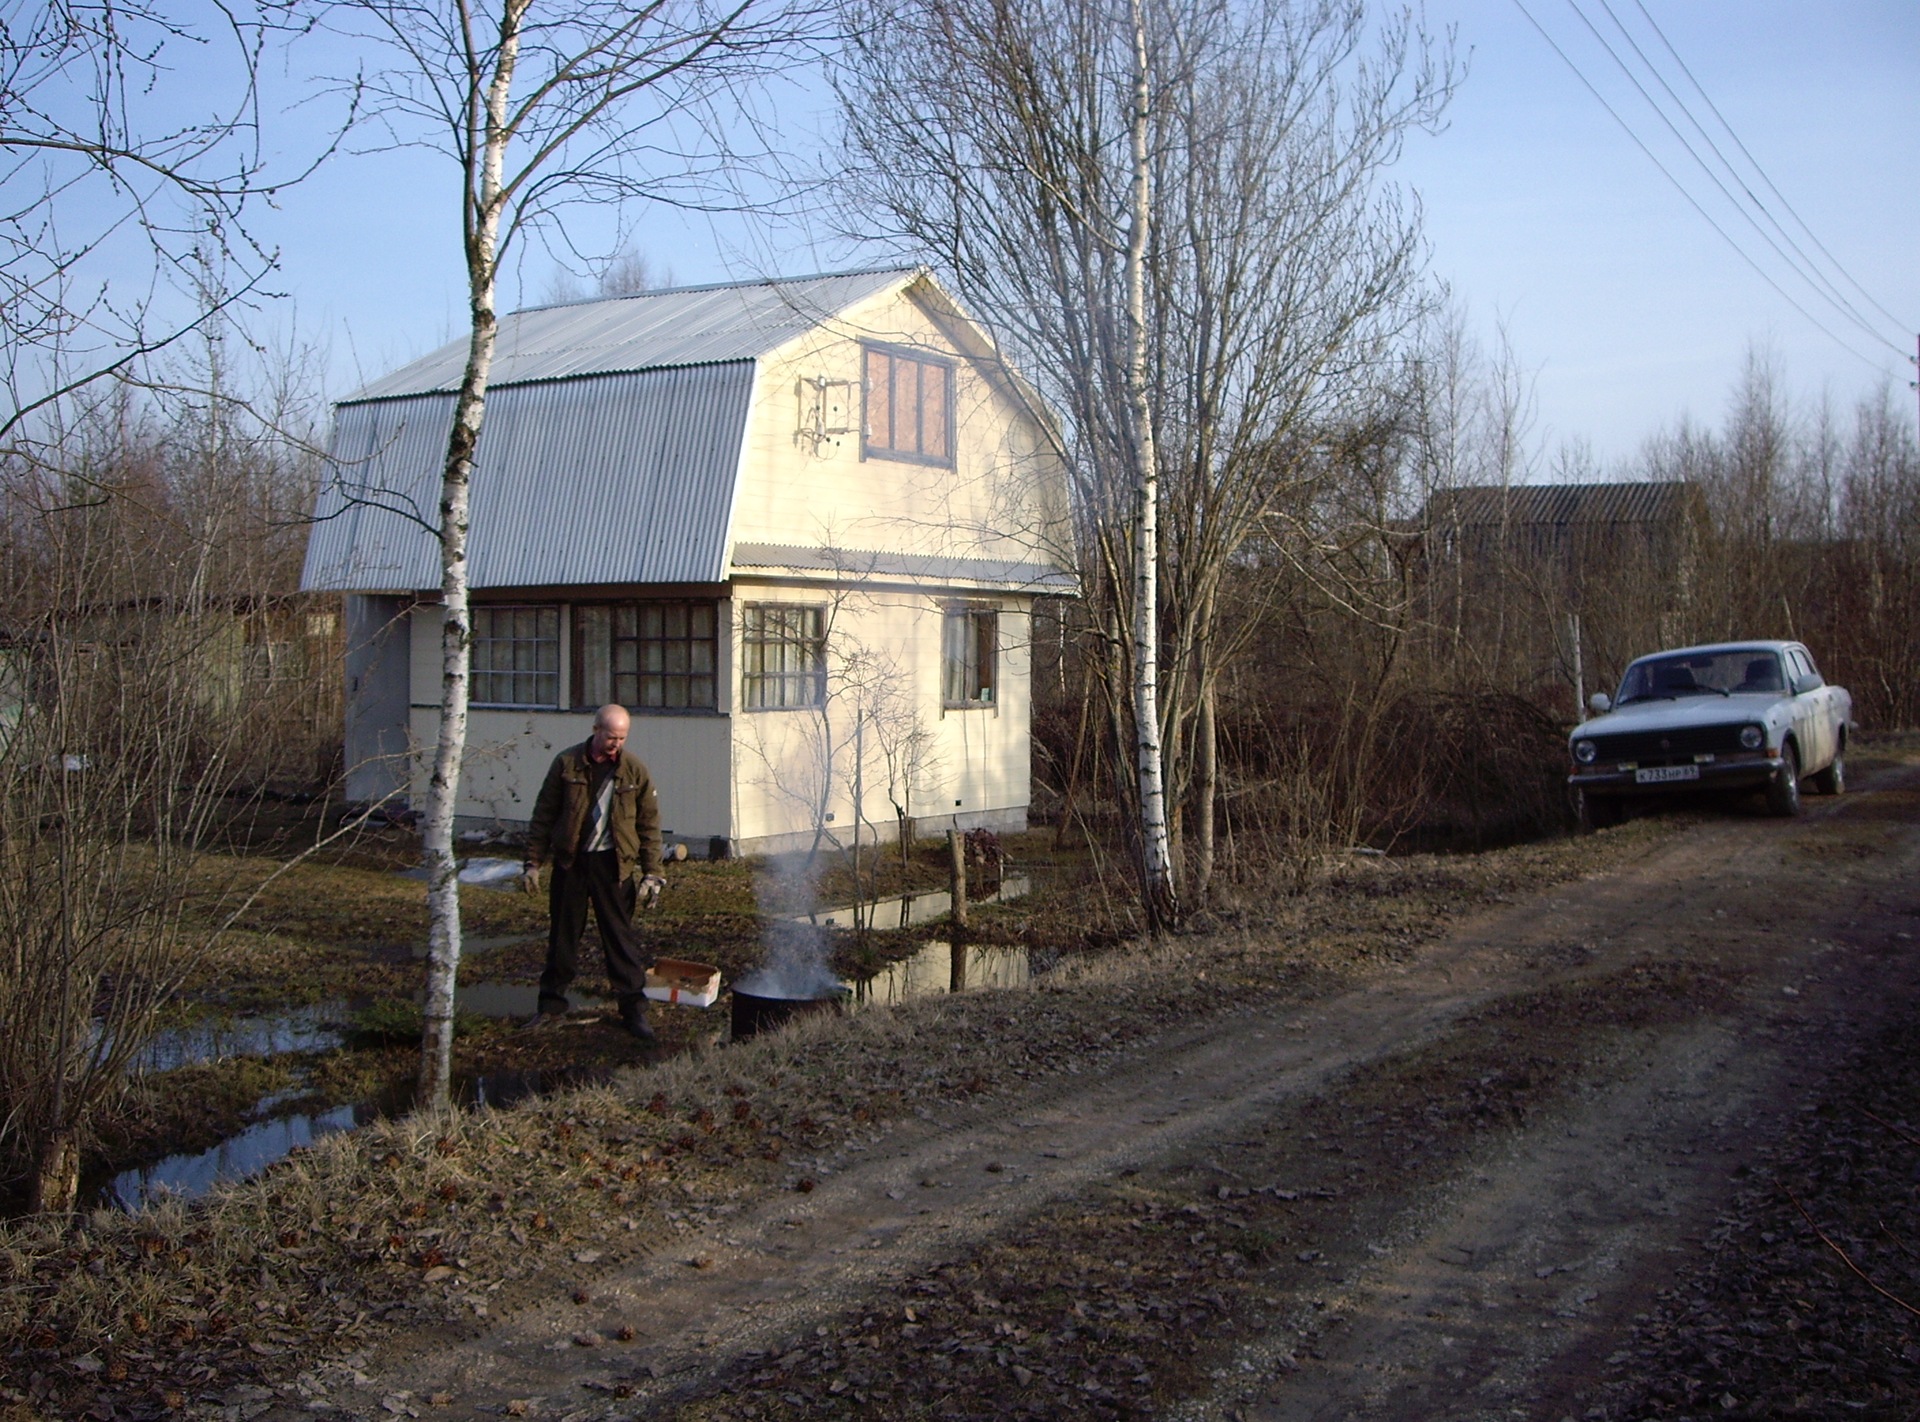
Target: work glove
{"type": "Point", "coordinates": [530, 879]}
{"type": "Point", "coordinates": [650, 890]}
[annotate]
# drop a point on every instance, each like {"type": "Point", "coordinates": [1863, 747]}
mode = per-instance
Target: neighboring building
{"type": "Point", "coordinates": [1569, 536]}
{"type": "Point", "coordinates": [1559, 585]}
{"type": "Point", "coordinates": [796, 526]}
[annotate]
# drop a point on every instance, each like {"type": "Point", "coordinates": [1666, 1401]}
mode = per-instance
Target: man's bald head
{"type": "Point", "coordinates": [610, 726]}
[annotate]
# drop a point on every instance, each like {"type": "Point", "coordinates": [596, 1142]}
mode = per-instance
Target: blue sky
{"type": "Point", "coordinates": [1625, 307]}
{"type": "Point", "coordinates": [1618, 296]}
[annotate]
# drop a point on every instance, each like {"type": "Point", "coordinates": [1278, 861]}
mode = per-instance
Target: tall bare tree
{"type": "Point", "coordinates": [116, 189]}
{"type": "Point", "coordinates": [1190, 184]}
{"type": "Point", "coordinates": [540, 106]}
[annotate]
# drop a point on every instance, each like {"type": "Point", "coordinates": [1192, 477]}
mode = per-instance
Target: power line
{"type": "Point", "coordinates": [1714, 178]}
{"type": "Point", "coordinates": [1680, 187]}
{"type": "Point", "coordinates": [1762, 172]}
{"type": "Point", "coordinates": [1803, 265]}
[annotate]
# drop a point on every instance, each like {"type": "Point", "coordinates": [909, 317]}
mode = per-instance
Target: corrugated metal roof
{"type": "Point", "coordinates": [645, 461]}
{"type": "Point", "coordinates": [915, 567]}
{"type": "Point", "coordinates": [1642, 502]}
{"type": "Point", "coordinates": [684, 326]}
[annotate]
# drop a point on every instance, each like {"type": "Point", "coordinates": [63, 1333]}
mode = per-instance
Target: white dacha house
{"type": "Point", "coordinates": [797, 527]}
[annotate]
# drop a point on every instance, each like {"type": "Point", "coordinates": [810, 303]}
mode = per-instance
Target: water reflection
{"type": "Point", "coordinates": [322, 1027]}
{"type": "Point", "coordinates": [192, 1174]}
{"type": "Point", "coordinates": [943, 967]}
{"type": "Point", "coordinates": [483, 943]}
{"type": "Point", "coordinates": [486, 873]}
{"type": "Point", "coordinates": [233, 1159]}
{"type": "Point", "coordinates": [511, 999]}
{"type": "Point", "coordinates": [909, 910]}
{"type": "Point", "coordinates": [319, 1028]}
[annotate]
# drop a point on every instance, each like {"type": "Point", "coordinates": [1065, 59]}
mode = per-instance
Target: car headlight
{"type": "Point", "coordinates": [1752, 737]}
{"type": "Point", "coordinates": [1584, 752]}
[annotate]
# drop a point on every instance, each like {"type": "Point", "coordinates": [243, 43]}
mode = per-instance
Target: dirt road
{"type": "Point", "coordinates": [1503, 1176]}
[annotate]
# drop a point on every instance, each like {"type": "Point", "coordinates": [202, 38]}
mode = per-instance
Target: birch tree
{"type": "Point", "coordinates": [1173, 214]}
{"type": "Point", "coordinates": [540, 107]}
{"type": "Point", "coordinates": [1156, 855]}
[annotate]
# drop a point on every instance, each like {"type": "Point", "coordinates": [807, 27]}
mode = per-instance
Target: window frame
{"type": "Point", "coordinates": [639, 640]}
{"type": "Point", "coordinates": [811, 644]}
{"type": "Point", "coordinates": [979, 662]}
{"type": "Point", "coordinates": [924, 360]}
{"type": "Point", "coordinates": [475, 671]}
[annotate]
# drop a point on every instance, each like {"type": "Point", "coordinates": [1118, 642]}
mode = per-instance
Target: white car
{"type": "Point", "coordinates": [1731, 715]}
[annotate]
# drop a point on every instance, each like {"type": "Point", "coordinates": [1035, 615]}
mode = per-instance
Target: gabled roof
{"type": "Point", "coordinates": [689, 325]}
{"type": "Point", "coordinates": [608, 479]}
{"type": "Point", "coordinates": [1644, 502]}
{"type": "Point", "coordinates": [612, 445]}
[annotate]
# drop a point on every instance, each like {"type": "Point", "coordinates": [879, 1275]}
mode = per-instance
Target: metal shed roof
{"type": "Point", "coordinates": [607, 479]}
{"type": "Point", "coordinates": [925, 569]}
{"type": "Point", "coordinates": [1643, 502]}
{"type": "Point", "coordinates": [692, 325]}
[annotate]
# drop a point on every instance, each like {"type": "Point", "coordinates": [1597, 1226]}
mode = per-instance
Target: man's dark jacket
{"type": "Point", "coordinates": [560, 813]}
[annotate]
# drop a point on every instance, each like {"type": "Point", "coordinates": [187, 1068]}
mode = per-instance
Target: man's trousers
{"type": "Point", "coordinates": [592, 879]}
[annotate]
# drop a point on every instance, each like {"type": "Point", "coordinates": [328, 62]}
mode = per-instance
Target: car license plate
{"type": "Point", "coordinates": [1659, 774]}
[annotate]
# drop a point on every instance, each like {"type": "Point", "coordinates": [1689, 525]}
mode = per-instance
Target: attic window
{"type": "Point", "coordinates": [909, 407]}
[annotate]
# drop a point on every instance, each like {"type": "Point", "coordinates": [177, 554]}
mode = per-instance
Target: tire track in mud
{"type": "Point", "coordinates": [944, 1187]}
{"type": "Point", "coordinates": [1522, 1283]}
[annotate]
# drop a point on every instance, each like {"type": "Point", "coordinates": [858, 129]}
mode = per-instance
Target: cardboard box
{"type": "Point", "coordinates": [678, 981]}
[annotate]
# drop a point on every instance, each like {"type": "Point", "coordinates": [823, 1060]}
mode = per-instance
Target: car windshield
{"type": "Point", "coordinates": [1726, 673]}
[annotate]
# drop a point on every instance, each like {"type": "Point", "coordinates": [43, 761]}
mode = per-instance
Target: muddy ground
{"type": "Point", "coordinates": [1614, 1128]}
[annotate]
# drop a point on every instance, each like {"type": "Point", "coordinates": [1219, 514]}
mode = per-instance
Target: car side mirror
{"type": "Point", "coordinates": [1600, 702]}
{"type": "Point", "coordinates": [1807, 681]}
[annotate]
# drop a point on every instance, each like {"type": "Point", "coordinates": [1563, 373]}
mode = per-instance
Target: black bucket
{"type": "Point", "coordinates": [753, 1014]}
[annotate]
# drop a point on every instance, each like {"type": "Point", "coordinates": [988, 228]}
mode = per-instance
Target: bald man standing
{"type": "Point", "coordinates": [597, 821]}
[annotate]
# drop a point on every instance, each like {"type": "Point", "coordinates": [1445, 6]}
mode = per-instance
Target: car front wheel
{"type": "Point", "coordinates": [1832, 780]}
{"type": "Point", "coordinates": [1783, 791]}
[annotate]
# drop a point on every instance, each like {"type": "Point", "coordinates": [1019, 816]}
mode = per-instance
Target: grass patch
{"type": "Point", "coordinates": [393, 1022]}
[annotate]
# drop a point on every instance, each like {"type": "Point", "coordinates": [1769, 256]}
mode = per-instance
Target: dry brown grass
{"type": "Point", "coordinates": [433, 1218]}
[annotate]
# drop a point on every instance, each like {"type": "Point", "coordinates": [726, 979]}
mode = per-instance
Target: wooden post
{"type": "Point", "coordinates": [957, 883]}
{"type": "Point", "coordinates": [957, 876]}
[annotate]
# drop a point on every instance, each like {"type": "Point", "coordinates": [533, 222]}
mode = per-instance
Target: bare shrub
{"type": "Point", "coordinates": [108, 778]}
{"type": "Point", "coordinates": [156, 673]}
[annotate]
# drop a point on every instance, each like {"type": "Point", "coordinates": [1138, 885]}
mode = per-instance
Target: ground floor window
{"type": "Point", "coordinates": [516, 656]}
{"type": "Point", "coordinates": [783, 651]}
{"type": "Point", "coordinates": [645, 655]}
{"type": "Point", "coordinates": [970, 644]}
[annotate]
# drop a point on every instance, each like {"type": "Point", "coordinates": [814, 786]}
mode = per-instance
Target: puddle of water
{"type": "Point", "coordinates": [322, 1027]}
{"type": "Point", "coordinates": [190, 1175]}
{"type": "Point", "coordinates": [504, 1088]}
{"type": "Point", "coordinates": [512, 999]}
{"type": "Point", "coordinates": [319, 1028]}
{"type": "Point", "coordinates": [940, 967]}
{"type": "Point", "coordinates": [909, 910]}
{"type": "Point", "coordinates": [234, 1158]}
{"type": "Point", "coordinates": [486, 873]}
{"type": "Point", "coordinates": [483, 944]}
{"type": "Point", "coordinates": [936, 968]}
